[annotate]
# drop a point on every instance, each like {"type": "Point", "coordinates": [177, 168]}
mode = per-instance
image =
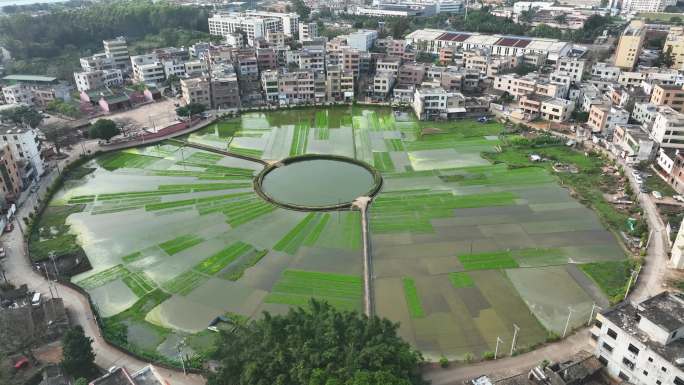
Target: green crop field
{"type": "Point", "coordinates": [180, 243]}
{"type": "Point", "coordinates": [461, 279]}
{"type": "Point", "coordinates": [184, 283]}
{"type": "Point", "coordinates": [296, 288]}
{"type": "Point", "coordinates": [223, 258]}
{"type": "Point", "coordinates": [116, 160]}
{"type": "Point", "coordinates": [412, 298]}
{"type": "Point", "coordinates": [383, 162]}
{"type": "Point", "coordinates": [307, 231]}
{"type": "Point", "coordinates": [300, 139]}
{"type": "Point", "coordinates": [611, 277]}
{"type": "Point", "coordinates": [487, 261]}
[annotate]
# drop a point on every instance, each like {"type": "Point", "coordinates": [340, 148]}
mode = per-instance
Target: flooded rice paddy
{"type": "Point", "coordinates": [462, 249]}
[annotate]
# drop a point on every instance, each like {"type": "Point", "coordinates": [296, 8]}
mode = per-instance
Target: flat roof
{"type": "Point", "coordinates": [30, 78]}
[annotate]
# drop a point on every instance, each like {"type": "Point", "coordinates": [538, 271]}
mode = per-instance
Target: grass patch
{"type": "Point", "coordinates": [251, 152]}
{"type": "Point", "coordinates": [51, 233]}
{"type": "Point", "coordinates": [296, 287]}
{"type": "Point", "coordinates": [461, 279]}
{"type": "Point", "coordinates": [412, 299]}
{"type": "Point", "coordinates": [180, 243]}
{"type": "Point", "coordinates": [612, 277]}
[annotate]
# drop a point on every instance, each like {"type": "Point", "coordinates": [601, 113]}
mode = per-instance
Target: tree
{"type": "Point", "coordinates": [78, 357]}
{"type": "Point", "coordinates": [528, 15]}
{"type": "Point", "coordinates": [399, 27]}
{"type": "Point", "coordinates": [104, 129]}
{"type": "Point", "coordinates": [191, 109]}
{"type": "Point", "coordinates": [317, 345]}
{"type": "Point", "coordinates": [561, 19]}
{"type": "Point", "coordinates": [55, 134]}
{"type": "Point", "coordinates": [23, 115]}
{"type": "Point", "coordinates": [301, 9]}
{"type": "Point", "coordinates": [81, 381]}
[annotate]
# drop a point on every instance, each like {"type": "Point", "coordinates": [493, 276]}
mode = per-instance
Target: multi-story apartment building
{"type": "Point", "coordinates": [630, 44]}
{"type": "Point", "coordinates": [10, 177]}
{"type": "Point", "coordinates": [97, 62]}
{"type": "Point", "coordinates": [312, 58]}
{"type": "Point", "coordinates": [266, 59]}
{"type": "Point", "coordinates": [196, 90]}
{"type": "Point", "coordinates": [677, 181]}
{"type": "Point", "coordinates": [339, 84]}
{"type": "Point", "coordinates": [668, 128]}
{"type": "Point", "coordinates": [603, 117]}
{"type": "Point", "coordinates": [433, 40]}
{"type": "Point", "coordinates": [25, 147]}
{"type": "Point", "coordinates": [489, 65]}
{"type": "Point", "coordinates": [556, 110]}
{"type": "Point", "coordinates": [247, 66]}
{"type": "Point", "coordinates": [34, 90]}
{"type": "Point", "coordinates": [87, 81]}
{"type": "Point", "coordinates": [225, 91]}
{"type": "Point", "coordinates": [645, 114]}
{"type": "Point", "coordinates": [411, 74]}
{"type": "Point", "coordinates": [147, 69]}
{"type": "Point", "coordinates": [269, 84]}
{"type": "Point", "coordinates": [388, 64]}
{"type": "Point", "coordinates": [382, 84]}
{"type": "Point", "coordinates": [631, 78]}
{"type": "Point", "coordinates": [308, 31]}
{"type": "Point", "coordinates": [362, 40]}
{"type": "Point", "coordinates": [195, 67]}
{"type": "Point", "coordinates": [395, 47]}
{"type": "Point", "coordinates": [572, 66]}
{"type": "Point", "coordinates": [643, 344]}
{"type": "Point", "coordinates": [348, 58]}
{"type": "Point", "coordinates": [674, 42]}
{"type": "Point", "coordinates": [668, 95]}
{"type": "Point", "coordinates": [289, 22]}
{"type": "Point", "coordinates": [253, 27]}
{"type": "Point", "coordinates": [117, 51]}
{"type": "Point", "coordinates": [301, 87]}
{"type": "Point", "coordinates": [646, 5]}
{"type": "Point", "coordinates": [605, 71]}
{"type": "Point", "coordinates": [517, 86]}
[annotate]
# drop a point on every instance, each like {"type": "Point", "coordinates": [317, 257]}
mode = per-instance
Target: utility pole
{"type": "Point", "coordinates": [496, 351]}
{"type": "Point", "coordinates": [567, 322]}
{"type": "Point", "coordinates": [629, 284]}
{"type": "Point", "coordinates": [591, 315]}
{"type": "Point", "coordinates": [516, 329]}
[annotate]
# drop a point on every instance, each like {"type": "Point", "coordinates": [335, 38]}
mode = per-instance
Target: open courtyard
{"type": "Point", "coordinates": [463, 248]}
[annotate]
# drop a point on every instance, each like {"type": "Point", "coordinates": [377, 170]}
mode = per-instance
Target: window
{"type": "Point", "coordinates": [603, 360]}
{"type": "Point", "coordinates": [664, 369]}
{"type": "Point", "coordinates": [623, 376]}
{"type": "Point", "coordinates": [678, 381]}
{"type": "Point", "coordinates": [658, 382]}
{"type": "Point", "coordinates": [628, 363]}
{"type": "Point", "coordinates": [598, 323]}
{"type": "Point", "coordinates": [633, 349]}
{"type": "Point", "coordinates": [607, 347]}
{"type": "Point", "coordinates": [650, 359]}
{"type": "Point", "coordinates": [612, 334]}
{"type": "Point", "coordinates": [645, 373]}
{"type": "Point", "coordinates": [594, 337]}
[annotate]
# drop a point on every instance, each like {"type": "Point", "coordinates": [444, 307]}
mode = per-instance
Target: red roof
{"type": "Point", "coordinates": [513, 42]}
{"type": "Point", "coordinates": [453, 36]}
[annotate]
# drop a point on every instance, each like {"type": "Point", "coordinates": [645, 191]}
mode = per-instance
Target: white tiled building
{"type": "Point", "coordinates": [643, 344]}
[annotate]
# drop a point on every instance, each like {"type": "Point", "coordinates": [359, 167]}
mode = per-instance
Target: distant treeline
{"type": "Point", "coordinates": [83, 29]}
{"type": "Point", "coordinates": [38, 7]}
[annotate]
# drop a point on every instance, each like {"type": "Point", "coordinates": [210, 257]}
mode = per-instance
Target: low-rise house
{"type": "Point", "coordinates": [645, 114]}
{"type": "Point", "coordinates": [677, 252]}
{"type": "Point", "coordinates": [382, 85]}
{"type": "Point", "coordinates": [668, 128]}
{"type": "Point", "coordinates": [196, 90]}
{"type": "Point", "coordinates": [604, 117]}
{"type": "Point", "coordinates": [672, 96]}
{"type": "Point", "coordinates": [26, 149]}
{"type": "Point", "coordinates": [120, 376]}
{"type": "Point", "coordinates": [411, 74]}
{"type": "Point", "coordinates": [87, 81]}
{"type": "Point", "coordinates": [643, 343]}
{"type": "Point", "coordinates": [633, 143]}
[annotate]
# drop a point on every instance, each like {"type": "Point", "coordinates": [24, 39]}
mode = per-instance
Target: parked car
{"type": "Point", "coordinates": [644, 189]}
{"type": "Point", "coordinates": [35, 188]}
{"type": "Point", "coordinates": [9, 227]}
{"type": "Point", "coordinates": [638, 179]}
{"type": "Point", "coordinates": [657, 194]}
{"type": "Point", "coordinates": [2, 253]}
{"type": "Point", "coordinates": [678, 198]}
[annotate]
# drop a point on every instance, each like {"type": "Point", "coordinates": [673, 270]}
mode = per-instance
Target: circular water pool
{"type": "Point", "coordinates": [317, 182]}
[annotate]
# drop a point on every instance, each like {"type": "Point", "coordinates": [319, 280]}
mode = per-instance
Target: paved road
{"type": "Point", "coordinates": [18, 270]}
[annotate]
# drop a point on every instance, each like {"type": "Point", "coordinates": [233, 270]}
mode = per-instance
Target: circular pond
{"type": "Point", "coordinates": [317, 182]}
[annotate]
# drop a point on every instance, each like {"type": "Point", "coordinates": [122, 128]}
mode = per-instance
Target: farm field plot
{"type": "Point", "coordinates": [462, 246]}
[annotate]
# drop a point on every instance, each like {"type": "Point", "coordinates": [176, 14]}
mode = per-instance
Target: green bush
{"type": "Point", "coordinates": [488, 356]}
{"type": "Point", "coordinates": [443, 362]}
